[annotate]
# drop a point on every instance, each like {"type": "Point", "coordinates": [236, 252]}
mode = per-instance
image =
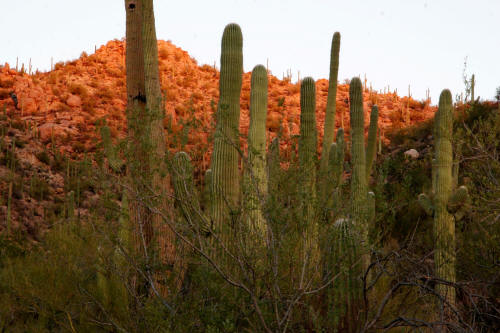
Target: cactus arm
{"type": "Point", "coordinates": [458, 199]}
{"type": "Point", "coordinates": [426, 204]}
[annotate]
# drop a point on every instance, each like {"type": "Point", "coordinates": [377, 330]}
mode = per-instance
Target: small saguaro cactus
{"type": "Point", "coordinates": [444, 201]}
{"type": "Point", "coordinates": [331, 103]}
{"type": "Point", "coordinates": [345, 295]}
{"type": "Point", "coordinates": [256, 177]}
{"type": "Point", "coordinates": [109, 150]}
{"type": "Point", "coordinates": [337, 153]}
{"type": "Point", "coordinates": [335, 175]}
{"type": "Point", "coordinates": [472, 87]}
{"type": "Point", "coordinates": [186, 195]}
{"type": "Point", "coordinates": [371, 147]}
{"type": "Point", "coordinates": [273, 166]}
{"type": "Point", "coordinates": [225, 156]}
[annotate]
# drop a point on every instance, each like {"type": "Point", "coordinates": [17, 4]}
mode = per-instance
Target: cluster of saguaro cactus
{"type": "Point", "coordinates": [445, 203]}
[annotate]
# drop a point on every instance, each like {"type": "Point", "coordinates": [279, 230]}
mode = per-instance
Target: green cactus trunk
{"type": "Point", "coordinates": [334, 177]}
{"type": "Point", "coordinates": [109, 150]}
{"type": "Point", "coordinates": [256, 177]}
{"type": "Point", "coordinates": [147, 142]}
{"type": "Point", "coordinates": [444, 224]}
{"type": "Point", "coordinates": [345, 295]}
{"type": "Point", "coordinates": [273, 167]}
{"type": "Point", "coordinates": [371, 147]}
{"type": "Point", "coordinates": [186, 196]}
{"type": "Point", "coordinates": [307, 165]}
{"type": "Point", "coordinates": [359, 189]}
{"type": "Point", "coordinates": [331, 103]}
{"type": "Point", "coordinates": [225, 156]}
{"type": "Point", "coordinates": [207, 192]}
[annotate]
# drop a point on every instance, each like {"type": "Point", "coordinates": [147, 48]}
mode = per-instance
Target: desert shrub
{"type": "Point", "coordinates": [79, 89]}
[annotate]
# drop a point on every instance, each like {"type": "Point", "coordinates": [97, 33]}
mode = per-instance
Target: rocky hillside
{"type": "Point", "coordinates": [58, 113]}
{"type": "Point", "coordinates": [65, 103]}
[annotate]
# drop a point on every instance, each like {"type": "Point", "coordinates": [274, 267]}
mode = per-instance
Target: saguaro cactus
{"type": "Point", "coordinates": [224, 163]}
{"type": "Point", "coordinates": [307, 160]}
{"type": "Point", "coordinates": [335, 175]}
{"type": "Point", "coordinates": [331, 103]}
{"type": "Point", "coordinates": [186, 195]}
{"type": "Point", "coordinates": [273, 166]}
{"type": "Point", "coordinates": [472, 87]}
{"type": "Point", "coordinates": [359, 189]}
{"type": "Point", "coordinates": [371, 147]}
{"type": "Point", "coordinates": [109, 150]}
{"type": "Point", "coordinates": [256, 177]}
{"type": "Point", "coordinates": [443, 202]}
{"type": "Point", "coordinates": [145, 129]}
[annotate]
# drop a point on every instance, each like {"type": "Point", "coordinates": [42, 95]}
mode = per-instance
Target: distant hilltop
{"type": "Point", "coordinates": [67, 102]}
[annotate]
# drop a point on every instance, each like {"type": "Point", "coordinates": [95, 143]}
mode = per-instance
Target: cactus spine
{"type": "Point", "coordinates": [443, 202]}
{"type": "Point", "coordinates": [329, 127]}
{"type": "Point", "coordinates": [307, 160]}
{"type": "Point", "coordinates": [224, 163]}
{"type": "Point", "coordinates": [256, 179]}
{"type": "Point", "coordinates": [371, 148]}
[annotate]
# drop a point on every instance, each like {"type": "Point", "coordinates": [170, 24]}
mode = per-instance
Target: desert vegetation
{"type": "Point", "coordinates": [260, 206]}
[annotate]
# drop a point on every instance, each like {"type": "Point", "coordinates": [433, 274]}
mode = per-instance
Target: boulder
{"type": "Point", "coordinates": [74, 101]}
{"type": "Point", "coordinates": [412, 153]}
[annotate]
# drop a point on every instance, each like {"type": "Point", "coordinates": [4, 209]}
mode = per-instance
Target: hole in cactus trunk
{"type": "Point", "coordinates": [131, 6]}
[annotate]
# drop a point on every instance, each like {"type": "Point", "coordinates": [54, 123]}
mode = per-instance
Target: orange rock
{"type": "Point", "coordinates": [74, 101]}
{"type": "Point", "coordinates": [28, 105]}
{"type": "Point", "coordinates": [48, 131]}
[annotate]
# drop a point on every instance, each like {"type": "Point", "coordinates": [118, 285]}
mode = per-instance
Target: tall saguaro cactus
{"type": "Point", "coordinates": [308, 159]}
{"type": "Point", "coordinates": [224, 164]}
{"type": "Point", "coordinates": [359, 188]}
{"type": "Point", "coordinates": [444, 202]}
{"type": "Point", "coordinates": [256, 179]}
{"type": "Point", "coordinates": [331, 103]}
{"type": "Point", "coordinates": [145, 130]}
